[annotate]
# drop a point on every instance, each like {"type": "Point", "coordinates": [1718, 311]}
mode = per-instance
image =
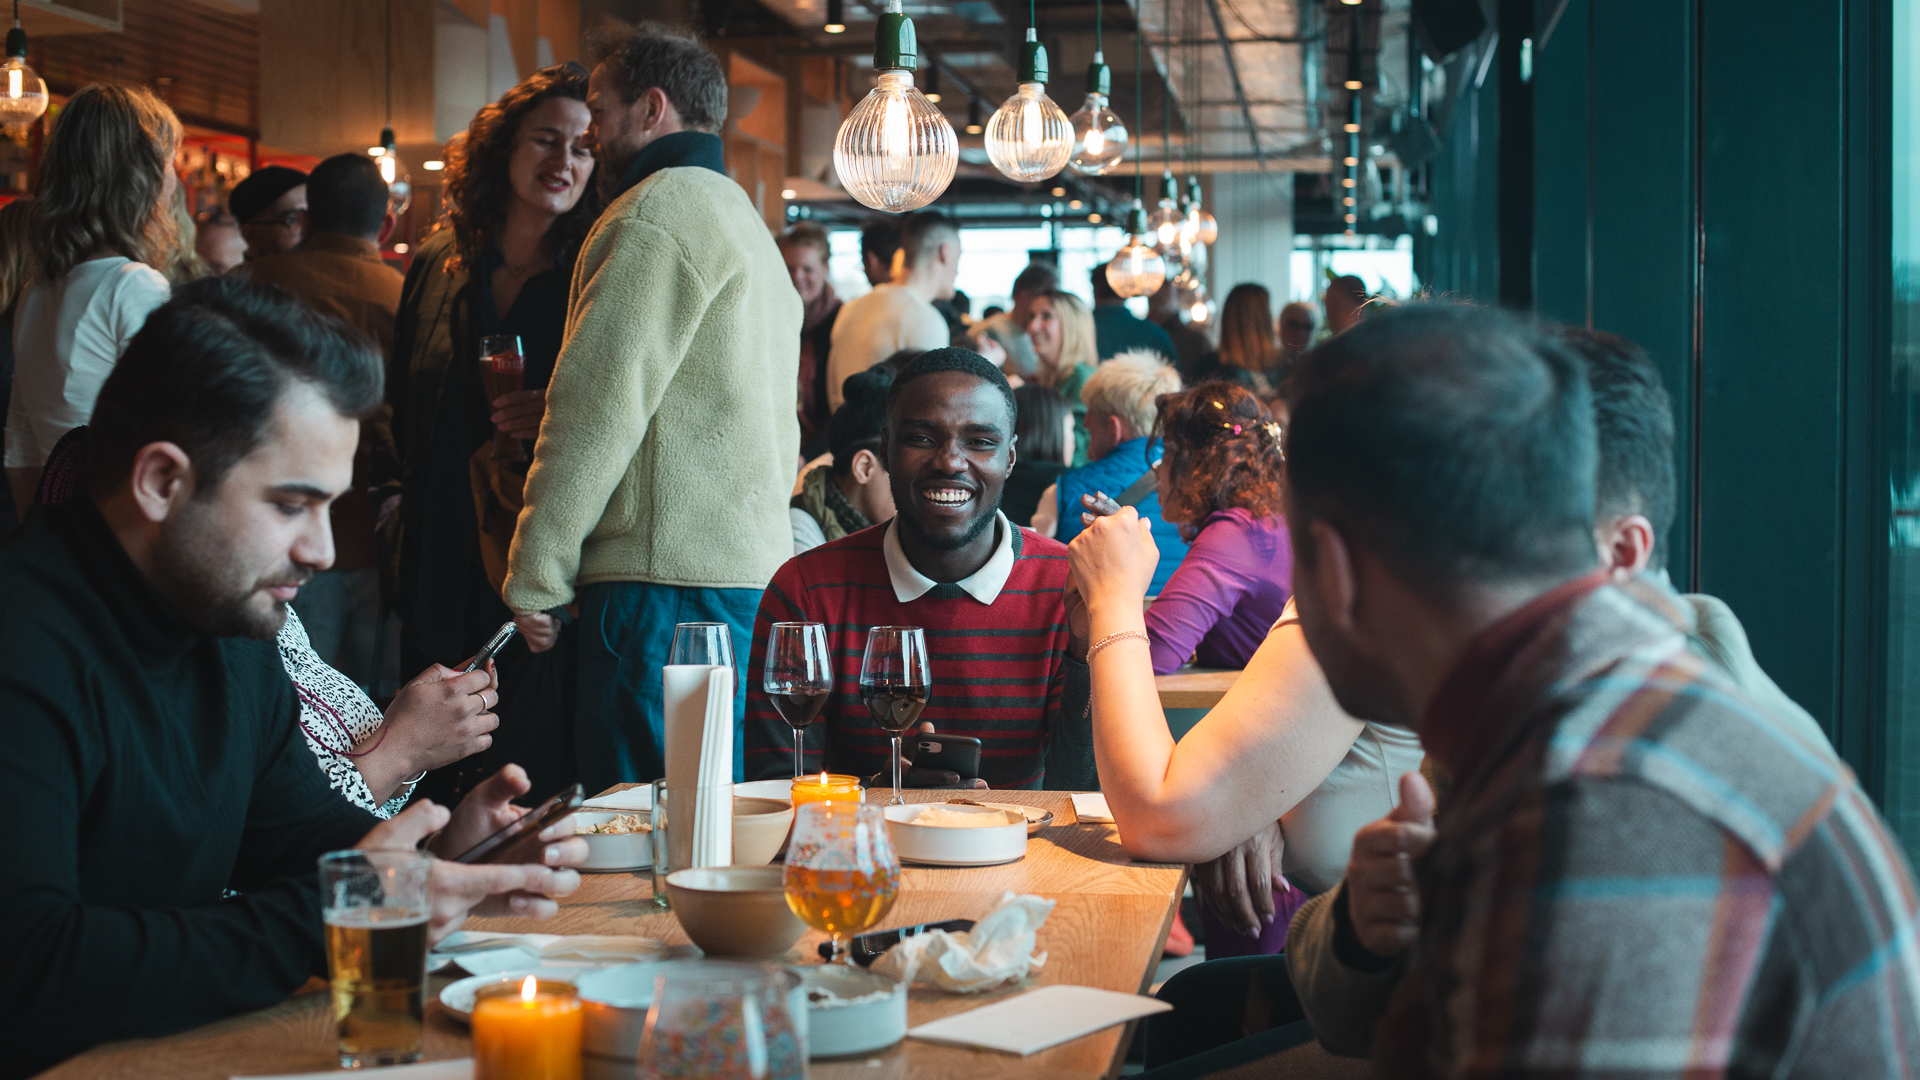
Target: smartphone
{"type": "Point", "coordinates": [493, 645]}
{"type": "Point", "coordinates": [954, 753]}
{"type": "Point", "coordinates": [527, 824]}
{"type": "Point", "coordinates": [866, 948]}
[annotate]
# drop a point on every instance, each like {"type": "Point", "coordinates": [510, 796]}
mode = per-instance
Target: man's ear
{"type": "Point", "coordinates": [1332, 570]}
{"type": "Point", "coordinates": [865, 465]}
{"type": "Point", "coordinates": [1013, 451]}
{"type": "Point", "coordinates": [1626, 544]}
{"type": "Point", "coordinates": [161, 479]}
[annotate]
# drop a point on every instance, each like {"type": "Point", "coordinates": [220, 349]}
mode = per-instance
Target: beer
{"type": "Point", "coordinates": [378, 960]}
{"type": "Point", "coordinates": [841, 902]}
{"type": "Point", "coordinates": [503, 370]}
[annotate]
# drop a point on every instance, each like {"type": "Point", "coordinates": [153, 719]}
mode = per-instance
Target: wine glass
{"type": "Point", "coordinates": [841, 875]}
{"type": "Point", "coordinates": [894, 684]}
{"type": "Point", "coordinates": [799, 676]}
{"type": "Point", "coordinates": [705, 644]}
{"type": "Point", "coordinates": [503, 370]}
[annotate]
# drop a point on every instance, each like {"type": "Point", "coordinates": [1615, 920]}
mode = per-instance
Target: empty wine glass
{"type": "Point", "coordinates": [894, 682]}
{"type": "Point", "coordinates": [707, 644]}
{"type": "Point", "coordinates": [799, 676]}
{"type": "Point", "coordinates": [841, 873]}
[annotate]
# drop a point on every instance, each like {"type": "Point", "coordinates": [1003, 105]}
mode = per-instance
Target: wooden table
{"type": "Point", "coordinates": [1194, 688]}
{"type": "Point", "coordinates": [1107, 931]}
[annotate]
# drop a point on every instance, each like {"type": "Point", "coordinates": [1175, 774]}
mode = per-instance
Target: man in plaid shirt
{"type": "Point", "coordinates": [1637, 872]}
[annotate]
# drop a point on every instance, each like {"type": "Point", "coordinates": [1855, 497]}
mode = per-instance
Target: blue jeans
{"type": "Point", "coordinates": [626, 631]}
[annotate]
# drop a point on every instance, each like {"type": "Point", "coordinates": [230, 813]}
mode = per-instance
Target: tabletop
{"type": "Point", "coordinates": [1194, 688]}
{"type": "Point", "coordinates": [1106, 931]}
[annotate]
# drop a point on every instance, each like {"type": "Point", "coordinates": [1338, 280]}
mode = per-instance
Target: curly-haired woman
{"type": "Point", "coordinates": [1219, 483]}
{"type": "Point", "coordinates": [519, 198]}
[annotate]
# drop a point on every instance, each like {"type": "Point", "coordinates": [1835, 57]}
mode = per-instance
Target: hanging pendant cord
{"type": "Point", "coordinates": [389, 28]}
{"type": "Point", "coordinates": [1139, 91]}
{"type": "Point", "coordinates": [1166, 104]}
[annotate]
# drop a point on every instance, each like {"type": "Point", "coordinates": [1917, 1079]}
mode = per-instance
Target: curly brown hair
{"type": "Point", "coordinates": [478, 189]}
{"type": "Point", "coordinates": [1222, 448]}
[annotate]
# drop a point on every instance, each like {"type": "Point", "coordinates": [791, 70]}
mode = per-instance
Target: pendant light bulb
{"type": "Point", "coordinates": [895, 152]}
{"type": "Point", "coordinates": [1166, 218]}
{"type": "Point", "coordinates": [1198, 226]}
{"type": "Point", "coordinates": [1028, 137]}
{"type": "Point", "coordinates": [23, 94]}
{"type": "Point", "coordinates": [1136, 269]}
{"type": "Point", "coordinates": [1099, 138]}
{"type": "Point", "coordinates": [836, 17]}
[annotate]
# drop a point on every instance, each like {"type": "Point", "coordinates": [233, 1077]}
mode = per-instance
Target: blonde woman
{"type": "Point", "coordinates": [1061, 328]}
{"type": "Point", "coordinates": [102, 222]}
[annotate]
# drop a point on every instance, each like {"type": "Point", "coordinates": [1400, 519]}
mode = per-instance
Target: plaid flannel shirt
{"type": "Point", "coordinates": [1638, 874]}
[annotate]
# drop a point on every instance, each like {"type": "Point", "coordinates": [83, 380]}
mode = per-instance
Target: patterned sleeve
{"type": "Point", "coordinates": [334, 714]}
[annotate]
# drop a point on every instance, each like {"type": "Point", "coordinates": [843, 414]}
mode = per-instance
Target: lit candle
{"type": "Point", "coordinates": [532, 1033]}
{"type": "Point", "coordinates": [826, 787]}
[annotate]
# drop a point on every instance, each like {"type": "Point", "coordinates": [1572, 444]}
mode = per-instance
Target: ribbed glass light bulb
{"type": "Point", "coordinates": [896, 152]}
{"type": "Point", "coordinates": [23, 94]}
{"type": "Point", "coordinates": [1099, 138]}
{"type": "Point", "coordinates": [1198, 227]}
{"type": "Point", "coordinates": [1028, 137]}
{"type": "Point", "coordinates": [399, 182]}
{"type": "Point", "coordinates": [1165, 224]}
{"type": "Point", "coordinates": [1136, 269]}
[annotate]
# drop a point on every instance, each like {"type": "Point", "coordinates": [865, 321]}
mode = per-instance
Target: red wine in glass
{"type": "Point", "coordinates": [503, 370]}
{"type": "Point", "coordinates": [894, 684]}
{"type": "Point", "coordinates": [798, 678]}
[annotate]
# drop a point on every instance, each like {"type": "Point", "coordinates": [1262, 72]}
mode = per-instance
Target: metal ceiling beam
{"type": "Point", "coordinates": [1233, 72]}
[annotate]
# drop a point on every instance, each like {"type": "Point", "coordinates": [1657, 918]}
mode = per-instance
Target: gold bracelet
{"type": "Point", "coordinates": [1111, 638]}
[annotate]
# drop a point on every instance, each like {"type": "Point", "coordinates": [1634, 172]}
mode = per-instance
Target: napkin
{"type": "Point", "coordinates": [461, 1069]}
{"type": "Point", "coordinates": [631, 800]}
{"type": "Point", "coordinates": [999, 948]}
{"type": "Point", "coordinates": [515, 949]}
{"type": "Point", "coordinates": [698, 702]}
{"type": "Point", "coordinates": [1033, 1021]}
{"type": "Point", "coordinates": [1091, 806]}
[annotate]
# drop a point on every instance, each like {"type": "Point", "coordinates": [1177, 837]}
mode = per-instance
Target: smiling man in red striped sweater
{"type": "Point", "coordinates": [1006, 669]}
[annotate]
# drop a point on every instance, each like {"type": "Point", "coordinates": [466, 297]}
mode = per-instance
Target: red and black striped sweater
{"type": "Point", "coordinates": [1000, 671]}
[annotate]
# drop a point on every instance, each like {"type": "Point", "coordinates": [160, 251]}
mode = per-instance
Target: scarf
{"type": "Point", "coordinates": [824, 502]}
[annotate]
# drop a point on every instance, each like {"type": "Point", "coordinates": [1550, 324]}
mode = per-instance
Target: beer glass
{"type": "Point", "coordinates": [799, 676]}
{"type": "Point", "coordinates": [503, 370]}
{"type": "Point", "coordinates": [841, 875]}
{"type": "Point", "coordinates": [894, 683]}
{"type": "Point", "coordinates": [375, 907]}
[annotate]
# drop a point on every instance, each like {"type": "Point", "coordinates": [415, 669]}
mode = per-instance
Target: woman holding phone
{"type": "Point", "coordinates": [519, 198]}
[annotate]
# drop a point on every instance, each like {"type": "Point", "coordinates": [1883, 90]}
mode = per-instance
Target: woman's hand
{"type": "Point", "coordinates": [518, 414]}
{"type": "Point", "coordinates": [539, 629]}
{"type": "Point", "coordinates": [1114, 559]}
{"type": "Point", "coordinates": [1238, 886]}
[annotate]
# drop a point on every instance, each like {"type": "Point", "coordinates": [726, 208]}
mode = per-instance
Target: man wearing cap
{"type": "Point", "coordinates": [271, 206]}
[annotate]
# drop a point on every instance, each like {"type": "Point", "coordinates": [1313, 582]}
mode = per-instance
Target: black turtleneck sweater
{"type": "Point", "coordinates": [146, 770]}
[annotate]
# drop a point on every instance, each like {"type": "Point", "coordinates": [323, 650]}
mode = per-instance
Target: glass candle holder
{"type": "Point", "coordinates": [527, 1031]}
{"type": "Point", "coordinates": [825, 787]}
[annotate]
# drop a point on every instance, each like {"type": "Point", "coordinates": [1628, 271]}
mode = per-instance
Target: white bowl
{"type": "Point", "coordinates": [623, 851]}
{"type": "Point", "coordinates": [760, 829]}
{"type": "Point", "coordinates": [765, 789]}
{"type": "Point", "coordinates": [853, 1027]}
{"type": "Point", "coordinates": [939, 845]}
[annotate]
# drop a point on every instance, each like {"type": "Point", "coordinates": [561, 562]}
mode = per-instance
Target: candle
{"type": "Point", "coordinates": [825, 787]}
{"type": "Point", "coordinates": [528, 1032]}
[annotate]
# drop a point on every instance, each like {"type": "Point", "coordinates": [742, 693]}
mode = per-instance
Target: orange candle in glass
{"type": "Point", "coordinates": [527, 1032]}
{"type": "Point", "coordinates": [825, 787]}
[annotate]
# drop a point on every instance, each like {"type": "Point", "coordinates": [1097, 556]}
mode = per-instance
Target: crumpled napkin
{"type": "Point", "coordinates": [998, 949]}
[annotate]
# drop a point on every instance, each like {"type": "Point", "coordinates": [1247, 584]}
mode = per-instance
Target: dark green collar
{"type": "Point", "coordinates": [682, 149]}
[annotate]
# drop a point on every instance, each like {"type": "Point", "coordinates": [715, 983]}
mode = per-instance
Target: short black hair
{"type": "Point", "coordinates": [674, 60]}
{"type": "Point", "coordinates": [1102, 288]}
{"type": "Point", "coordinates": [1042, 435]}
{"type": "Point", "coordinates": [1633, 419]}
{"type": "Point", "coordinates": [346, 195]}
{"type": "Point", "coordinates": [207, 371]}
{"type": "Point", "coordinates": [880, 237]}
{"type": "Point", "coordinates": [1037, 278]}
{"type": "Point", "coordinates": [861, 421]}
{"type": "Point", "coordinates": [1455, 443]}
{"type": "Point", "coordinates": [935, 361]}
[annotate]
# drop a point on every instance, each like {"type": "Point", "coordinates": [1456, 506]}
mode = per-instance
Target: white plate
{"type": "Point", "coordinates": [765, 789]}
{"type": "Point", "coordinates": [459, 997]}
{"type": "Point", "coordinates": [1037, 817]}
{"type": "Point", "coordinates": [629, 801]}
{"type": "Point", "coordinates": [933, 845]}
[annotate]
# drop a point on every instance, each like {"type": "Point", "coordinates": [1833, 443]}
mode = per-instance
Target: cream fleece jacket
{"type": "Point", "coordinates": [667, 450]}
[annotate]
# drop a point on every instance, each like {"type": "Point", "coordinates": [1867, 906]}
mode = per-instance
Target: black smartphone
{"type": "Point", "coordinates": [954, 753]}
{"type": "Point", "coordinates": [866, 948]}
{"type": "Point", "coordinates": [493, 645]}
{"type": "Point", "coordinates": [527, 824]}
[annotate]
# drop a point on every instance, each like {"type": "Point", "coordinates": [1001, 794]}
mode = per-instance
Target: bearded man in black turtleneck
{"type": "Point", "coordinates": [162, 810]}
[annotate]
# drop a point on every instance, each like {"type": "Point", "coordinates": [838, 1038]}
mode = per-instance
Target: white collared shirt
{"type": "Point", "coordinates": [984, 585]}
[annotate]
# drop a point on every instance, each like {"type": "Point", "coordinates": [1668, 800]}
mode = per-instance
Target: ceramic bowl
{"type": "Point", "coordinates": [939, 845]}
{"type": "Point", "coordinates": [760, 828]}
{"type": "Point", "coordinates": [867, 1011]}
{"type": "Point", "coordinates": [620, 851]}
{"type": "Point", "coordinates": [736, 910]}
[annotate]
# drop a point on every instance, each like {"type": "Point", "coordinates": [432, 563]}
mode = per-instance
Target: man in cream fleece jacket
{"type": "Point", "coordinates": [659, 485]}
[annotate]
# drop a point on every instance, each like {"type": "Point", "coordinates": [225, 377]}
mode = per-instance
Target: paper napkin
{"type": "Point", "coordinates": [1027, 1023]}
{"type": "Point", "coordinates": [461, 1069]}
{"type": "Point", "coordinates": [1091, 806]}
{"type": "Point", "coordinates": [629, 801]}
{"type": "Point", "coordinates": [998, 948]}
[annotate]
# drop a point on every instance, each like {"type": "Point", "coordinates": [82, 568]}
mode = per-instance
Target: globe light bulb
{"type": "Point", "coordinates": [1136, 269]}
{"type": "Point", "coordinates": [896, 151]}
{"type": "Point", "coordinates": [1099, 138]}
{"type": "Point", "coordinates": [1028, 137]}
{"type": "Point", "coordinates": [1198, 227]}
{"type": "Point", "coordinates": [24, 97]}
